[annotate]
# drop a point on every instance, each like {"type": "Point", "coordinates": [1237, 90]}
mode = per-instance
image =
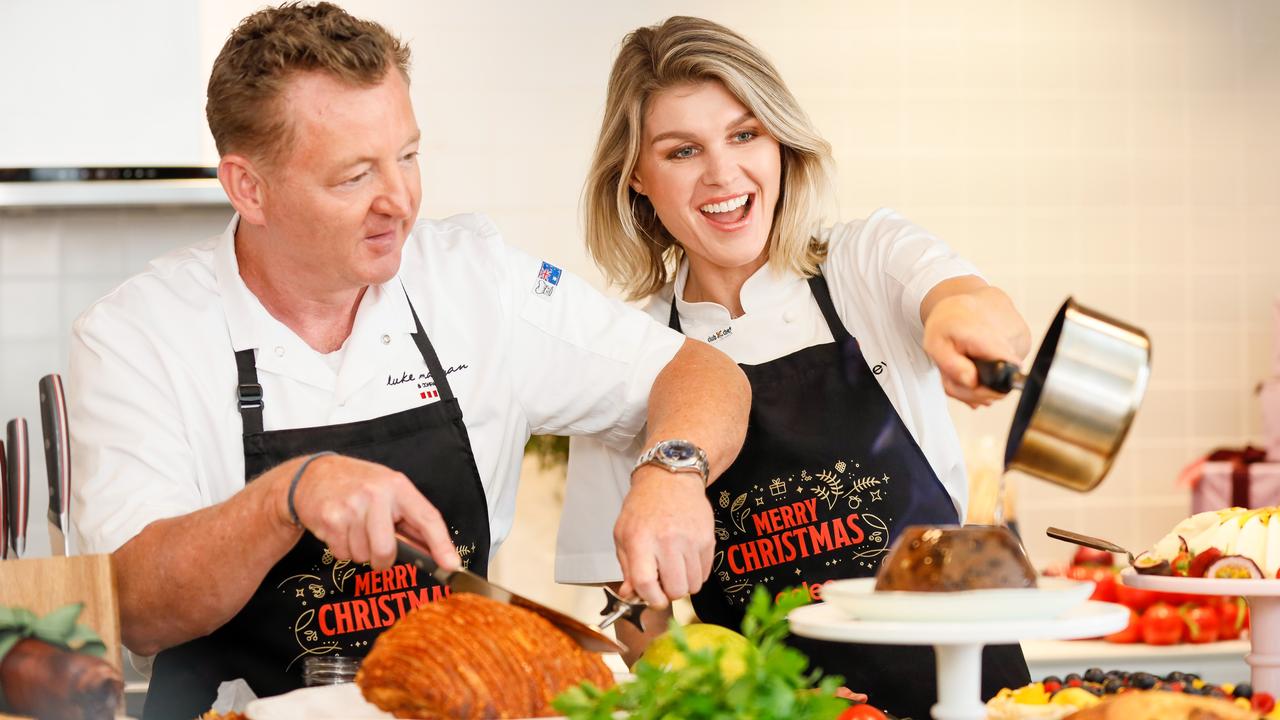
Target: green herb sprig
{"type": "Point", "coordinates": [774, 685]}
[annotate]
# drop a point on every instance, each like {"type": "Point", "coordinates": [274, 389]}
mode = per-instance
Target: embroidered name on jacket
{"type": "Point", "coordinates": [423, 383]}
{"type": "Point", "coordinates": [720, 334]}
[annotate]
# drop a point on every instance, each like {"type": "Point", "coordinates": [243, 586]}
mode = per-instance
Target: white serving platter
{"type": "Point", "coordinates": [858, 599]}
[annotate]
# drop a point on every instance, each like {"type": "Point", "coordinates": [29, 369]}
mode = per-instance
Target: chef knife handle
{"type": "Point", "coordinates": [411, 551]}
{"type": "Point", "coordinates": [53, 419]}
{"type": "Point", "coordinates": [19, 461]}
{"type": "Point", "coordinates": [4, 503]}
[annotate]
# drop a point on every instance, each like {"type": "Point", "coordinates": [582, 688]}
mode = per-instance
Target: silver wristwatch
{"type": "Point", "coordinates": [676, 456]}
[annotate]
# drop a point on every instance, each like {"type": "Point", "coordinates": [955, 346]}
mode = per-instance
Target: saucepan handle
{"type": "Point", "coordinates": [998, 375]}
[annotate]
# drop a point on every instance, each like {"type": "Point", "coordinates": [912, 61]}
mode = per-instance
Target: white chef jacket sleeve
{"type": "Point", "coordinates": [131, 462]}
{"type": "Point", "coordinates": [896, 260]}
{"type": "Point", "coordinates": [598, 480]}
{"type": "Point", "coordinates": [582, 363]}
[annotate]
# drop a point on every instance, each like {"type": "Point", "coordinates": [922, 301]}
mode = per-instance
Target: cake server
{"type": "Point", "coordinates": [463, 580]}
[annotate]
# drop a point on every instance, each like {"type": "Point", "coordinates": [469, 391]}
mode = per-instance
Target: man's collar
{"type": "Point", "coordinates": [383, 310]}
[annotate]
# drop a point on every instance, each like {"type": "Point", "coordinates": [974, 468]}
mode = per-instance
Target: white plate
{"type": "Point", "coordinates": [824, 621]}
{"type": "Point", "coordinates": [857, 598]}
{"type": "Point", "coordinates": [1199, 586]}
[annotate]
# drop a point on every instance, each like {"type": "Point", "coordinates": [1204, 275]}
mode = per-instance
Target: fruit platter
{"type": "Point", "coordinates": [1053, 698]}
{"type": "Point", "coordinates": [1233, 552]}
{"type": "Point", "coordinates": [1157, 618]}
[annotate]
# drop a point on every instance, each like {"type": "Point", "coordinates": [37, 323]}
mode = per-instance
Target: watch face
{"type": "Point", "coordinates": [678, 451]}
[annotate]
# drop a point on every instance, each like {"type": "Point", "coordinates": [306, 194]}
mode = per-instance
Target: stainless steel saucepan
{"type": "Point", "coordinates": [1079, 398]}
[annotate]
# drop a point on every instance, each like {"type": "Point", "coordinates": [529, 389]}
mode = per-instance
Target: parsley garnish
{"type": "Point", "coordinates": [774, 686]}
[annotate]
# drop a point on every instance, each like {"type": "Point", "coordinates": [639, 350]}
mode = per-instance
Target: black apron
{"type": "Point", "coordinates": [826, 479]}
{"type": "Point", "coordinates": [311, 603]}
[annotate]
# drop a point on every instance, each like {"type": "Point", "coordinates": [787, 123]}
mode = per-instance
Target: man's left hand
{"type": "Point", "coordinates": [665, 536]}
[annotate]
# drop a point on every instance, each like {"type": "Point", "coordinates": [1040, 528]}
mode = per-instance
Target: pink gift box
{"type": "Point", "coordinates": [1216, 490]}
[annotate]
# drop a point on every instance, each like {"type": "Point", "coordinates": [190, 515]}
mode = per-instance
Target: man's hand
{"type": "Point", "coordinates": [963, 322]}
{"type": "Point", "coordinates": [355, 507]}
{"type": "Point", "coordinates": [664, 535]}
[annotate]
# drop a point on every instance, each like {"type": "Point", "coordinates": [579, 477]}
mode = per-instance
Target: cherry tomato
{"type": "Point", "coordinates": [862, 711]}
{"type": "Point", "coordinates": [1104, 584]}
{"type": "Point", "coordinates": [1263, 703]}
{"type": "Point", "coordinates": [1162, 625]}
{"type": "Point", "coordinates": [1132, 632]}
{"type": "Point", "coordinates": [1202, 624]}
{"type": "Point", "coordinates": [1134, 598]}
{"type": "Point", "coordinates": [1231, 617]}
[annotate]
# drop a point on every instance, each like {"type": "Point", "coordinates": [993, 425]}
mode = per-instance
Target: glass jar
{"type": "Point", "coordinates": [329, 670]}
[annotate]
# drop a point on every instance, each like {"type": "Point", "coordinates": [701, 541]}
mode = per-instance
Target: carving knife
{"type": "Point", "coordinates": [463, 580]}
{"type": "Point", "coordinates": [57, 459]}
{"type": "Point", "coordinates": [19, 477]}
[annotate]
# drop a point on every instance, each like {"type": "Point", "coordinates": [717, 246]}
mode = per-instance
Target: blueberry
{"type": "Point", "coordinates": [1174, 676]}
{"type": "Point", "coordinates": [1052, 679]}
{"type": "Point", "coordinates": [1072, 676]}
{"type": "Point", "coordinates": [1112, 685]}
{"type": "Point", "coordinates": [1094, 675]}
{"type": "Point", "coordinates": [1243, 690]}
{"type": "Point", "coordinates": [1142, 680]}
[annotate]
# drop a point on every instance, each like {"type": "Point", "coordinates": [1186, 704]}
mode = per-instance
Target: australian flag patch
{"type": "Point", "coordinates": [548, 279]}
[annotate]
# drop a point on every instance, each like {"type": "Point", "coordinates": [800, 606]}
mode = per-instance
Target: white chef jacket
{"type": "Point", "coordinates": [879, 271]}
{"type": "Point", "coordinates": [155, 424]}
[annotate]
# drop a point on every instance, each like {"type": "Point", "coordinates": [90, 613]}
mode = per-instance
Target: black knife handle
{"type": "Point", "coordinates": [19, 461]}
{"type": "Point", "coordinates": [4, 503]}
{"type": "Point", "coordinates": [53, 421]}
{"type": "Point", "coordinates": [996, 374]}
{"type": "Point", "coordinates": [409, 551]}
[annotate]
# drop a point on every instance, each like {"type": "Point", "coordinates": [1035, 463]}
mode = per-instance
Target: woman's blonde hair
{"type": "Point", "coordinates": [624, 235]}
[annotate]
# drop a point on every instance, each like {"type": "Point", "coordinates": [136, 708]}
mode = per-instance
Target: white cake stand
{"type": "Point", "coordinates": [958, 644]}
{"type": "Point", "coordinates": [1263, 598]}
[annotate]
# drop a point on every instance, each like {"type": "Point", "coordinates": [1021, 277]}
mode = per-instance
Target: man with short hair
{"type": "Point", "coordinates": [255, 416]}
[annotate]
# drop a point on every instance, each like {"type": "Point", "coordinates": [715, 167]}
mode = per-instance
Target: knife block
{"type": "Point", "coordinates": [44, 584]}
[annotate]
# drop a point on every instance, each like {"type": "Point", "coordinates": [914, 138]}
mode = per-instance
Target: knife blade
{"type": "Point", "coordinates": [57, 461]}
{"type": "Point", "coordinates": [4, 504]}
{"type": "Point", "coordinates": [19, 484]}
{"type": "Point", "coordinates": [463, 580]}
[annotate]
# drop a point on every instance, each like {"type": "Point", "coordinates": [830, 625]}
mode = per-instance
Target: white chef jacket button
{"type": "Point", "coordinates": [386, 339]}
{"type": "Point", "coordinates": [279, 351]}
{"type": "Point", "coordinates": [789, 316]}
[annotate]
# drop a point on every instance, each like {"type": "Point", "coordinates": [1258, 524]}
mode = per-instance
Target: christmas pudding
{"type": "Point", "coordinates": [949, 559]}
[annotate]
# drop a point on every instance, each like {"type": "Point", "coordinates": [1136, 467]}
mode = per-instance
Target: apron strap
{"type": "Point", "coordinates": [673, 321]}
{"type": "Point", "coordinates": [249, 392]}
{"type": "Point", "coordinates": [818, 286]}
{"type": "Point", "coordinates": [429, 353]}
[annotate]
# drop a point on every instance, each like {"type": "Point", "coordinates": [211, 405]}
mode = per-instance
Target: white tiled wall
{"type": "Point", "coordinates": [1121, 151]}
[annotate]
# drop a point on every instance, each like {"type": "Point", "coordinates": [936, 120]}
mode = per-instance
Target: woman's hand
{"type": "Point", "coordinates": [966, 319]}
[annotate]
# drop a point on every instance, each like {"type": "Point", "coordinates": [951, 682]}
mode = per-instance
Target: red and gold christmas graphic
{"type": "Point", "coordinates": [807, 528]}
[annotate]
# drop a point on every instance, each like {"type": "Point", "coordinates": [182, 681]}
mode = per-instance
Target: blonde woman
{"type": "Point", "coordinates": [703, 200]}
